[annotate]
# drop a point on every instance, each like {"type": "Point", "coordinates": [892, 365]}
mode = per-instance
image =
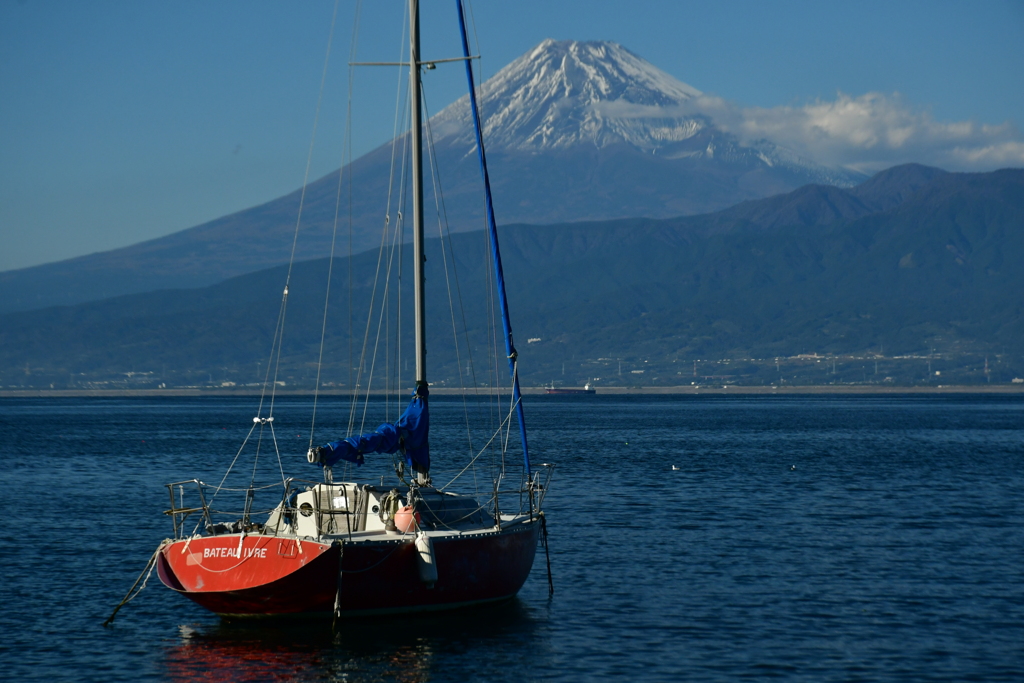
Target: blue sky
{"type": "Point", "coordinates": [125, 121]}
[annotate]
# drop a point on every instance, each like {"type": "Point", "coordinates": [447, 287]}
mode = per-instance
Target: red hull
{"type": "Point", "coordinates": [269, 576]}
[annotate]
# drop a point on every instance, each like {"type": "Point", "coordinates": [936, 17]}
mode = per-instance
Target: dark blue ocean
{"type": "Point", "coordinates": [801, 538]}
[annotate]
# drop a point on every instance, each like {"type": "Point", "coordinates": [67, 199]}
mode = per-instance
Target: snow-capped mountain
{"type": "Point", "coordinates": [575, 131]}
{"type": "Point", "coordinates": [565, 94]}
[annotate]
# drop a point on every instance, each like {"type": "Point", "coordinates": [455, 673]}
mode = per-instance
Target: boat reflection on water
{"type": "Point", "coordinates": [402, 648]}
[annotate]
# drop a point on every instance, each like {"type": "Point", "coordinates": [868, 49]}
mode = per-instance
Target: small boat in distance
{"type": "Point", "coordinates": [575, 392]}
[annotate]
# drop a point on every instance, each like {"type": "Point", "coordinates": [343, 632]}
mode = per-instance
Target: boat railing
{"type": "Point", "coordinates": [221, 509]}
{"type": "Point", "coordinates": [538, 485]}
{"type": "Point", "coordinates": [530, 493]}
{"type": "Point", "coordinates": [533, 489]}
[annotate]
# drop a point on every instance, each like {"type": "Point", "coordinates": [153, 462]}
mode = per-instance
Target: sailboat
{"type": "Point", "coordinates": [350, 548]}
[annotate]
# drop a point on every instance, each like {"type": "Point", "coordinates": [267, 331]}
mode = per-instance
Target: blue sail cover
{"type": "Point", "coordinates": [409, 434]}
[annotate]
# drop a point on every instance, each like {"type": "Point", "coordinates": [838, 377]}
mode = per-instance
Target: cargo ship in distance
{"type": "Point", "coordinates": [586, 390]}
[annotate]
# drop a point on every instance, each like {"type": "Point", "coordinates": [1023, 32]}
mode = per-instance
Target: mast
{"type": "Point", "coordinates": [417, 203]}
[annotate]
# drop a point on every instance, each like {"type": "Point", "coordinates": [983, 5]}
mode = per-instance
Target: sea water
{"type": "Point", "coordinates": [691, 538]}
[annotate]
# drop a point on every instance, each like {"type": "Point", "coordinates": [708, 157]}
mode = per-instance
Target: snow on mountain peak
{"type": "Point", "coordinates": [564, 93]}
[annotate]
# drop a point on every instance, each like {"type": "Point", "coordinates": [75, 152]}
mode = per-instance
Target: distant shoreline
{"type": "Point", "coordinates": [715, 390]}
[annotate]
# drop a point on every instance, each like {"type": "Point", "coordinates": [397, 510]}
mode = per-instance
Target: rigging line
{"type": "Point", "coordinates": [386, 313]}
{"type": "Point", "coordinates": [373, 299]}
{"type": "Point", "coordinates": [380, 322]}
{"type": "Point", "coordinates": [345, 153]}
{"type": "Point", "coordinates": [280, 466]}
{"type": "Point", "coordinates": [399, 111]}
{"type": "Point", "coordinates": [492, 402]}
{"type": "Point", "coordinates": [259, 442]}
{"type": "Point", "coordinates": [439, 207]}
{"type": "Point", "coordinates": [483, 449]}
{"type": "Point", "coordinates": [476, 39]}
{"type": "Point", "coordinates": [466, 516]}
{"type": "Point", "coordinates": [492, 310]}
{"type": "Point", "coordinates": [366, 335]}
{"type": "Point", "coordinates": [302, 201]}
{"type": "Point", "coordinates": [369, 320]}
{"type": "Point", "coordinates": [442, 226]}
{"type": "Point", "coordinates": [493, 373]}
{"type": "Point", "coordinates": [327, 297]}
{"type": "Point", "coordinates": [462, 308]}
{"type": "Point", "coordinates": [277, 361]}
{"type": "Point", "coordinates": [231, 466]}
{"type": "Point", "coordinates": [401, 88]}
{"type": "Point", "coordinates": [510, 350]}
{"type": "Point", "coordinates": [256, 458]}
{"type": "Point", "coordinates": [403, 190]}
{"type": "Point", "coordinates": [393, 382]}
{"type": "Point", "coordinates": [508, 429]}
{"type": "Point", "coordinates": [400, 241]}
{"type": "Point", "coordinates": [348, 143]}
{"type": "Point", "coordinates": [235, 489]}
{"type": "Point", "coordinates": [398, 312]}
{"type": "Point", "coordinates": [400, 224]}
{"type": "Point", "coordinates": [312, 141]}
{"type": "Point", "coordinates": [491, 341]}
{"type": "Point", "coordinates": [386, 307]}
{"type": "Point", "coordinates": [492, 380]}
{"type": "Point", "coordinates": [398, 316]}
{"type": "Point", "coordinates": [270, 359]}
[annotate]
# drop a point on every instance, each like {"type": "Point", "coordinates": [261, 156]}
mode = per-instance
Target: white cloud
{"type": "Point", "coordinates": [869, 132]}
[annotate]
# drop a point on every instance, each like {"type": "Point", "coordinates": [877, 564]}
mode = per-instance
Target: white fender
{"type": "Point", "coordinates": [425, 552]}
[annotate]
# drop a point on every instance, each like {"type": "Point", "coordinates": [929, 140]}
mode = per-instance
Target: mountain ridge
{"type": "Point", "coordinates": [621, 141]}
{"type": "Point", "coordinates": [933, 275]}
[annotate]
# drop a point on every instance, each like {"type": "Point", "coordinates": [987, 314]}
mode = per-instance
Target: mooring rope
{"type": "Point", "coordinates": [132, 593]}
{"type": "Point", "coordinates": [547, 555]}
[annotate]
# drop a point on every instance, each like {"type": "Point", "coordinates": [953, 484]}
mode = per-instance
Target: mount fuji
{"type": "Point", "coordinates": [574, 131]}
{"type": "Point", "coordinates": [568, 94]}
{"type": "Point", "coordinates": [590, 131]}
